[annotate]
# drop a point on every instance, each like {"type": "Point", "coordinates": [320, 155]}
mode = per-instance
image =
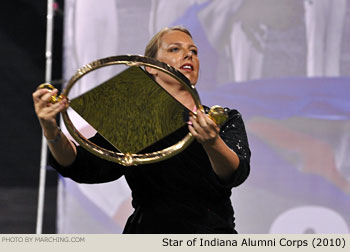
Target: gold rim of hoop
{"type": "Point", "coordinates": [129, 159]}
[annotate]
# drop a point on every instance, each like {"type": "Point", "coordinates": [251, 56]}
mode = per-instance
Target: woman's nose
{"type": "Point", "coordinates": [188, 54]}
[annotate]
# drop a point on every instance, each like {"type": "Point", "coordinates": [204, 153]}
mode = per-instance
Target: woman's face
{"type": "Point", "coordinates": [179, 51]}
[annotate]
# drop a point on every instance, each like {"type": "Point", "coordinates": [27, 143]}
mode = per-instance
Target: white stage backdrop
{"type": "Point", "coordinates": [284, 64]}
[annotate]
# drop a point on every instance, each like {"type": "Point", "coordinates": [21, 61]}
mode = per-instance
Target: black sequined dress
{"type": "Point", "coordinates": [178, 195]}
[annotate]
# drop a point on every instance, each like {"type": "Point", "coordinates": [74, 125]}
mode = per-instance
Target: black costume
{"type": "Point", "coordinates": [179, 195]}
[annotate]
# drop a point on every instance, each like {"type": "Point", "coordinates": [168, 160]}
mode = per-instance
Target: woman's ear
{"type": "Point", "coordinates": [151, 70]}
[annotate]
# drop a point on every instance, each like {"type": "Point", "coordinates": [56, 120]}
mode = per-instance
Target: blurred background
{"type": "Point", "coordinates": [22, 36]}
{"type": "Point", "coordinates": [284, 64]}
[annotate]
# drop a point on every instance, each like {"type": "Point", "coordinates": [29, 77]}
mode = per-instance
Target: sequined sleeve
{"type": "Point", "coordinates": [234, 135]}
{"type": "Point", "coordinates": [88, 168]}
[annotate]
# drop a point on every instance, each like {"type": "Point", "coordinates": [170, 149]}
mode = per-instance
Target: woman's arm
{"type": "Point", "coordinates": [62, 149]}
{"type": "Point", "coordinates": [224, 159]}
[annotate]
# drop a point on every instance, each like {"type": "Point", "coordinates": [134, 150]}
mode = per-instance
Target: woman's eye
{"type": "Point", "coordinates": [195, 52]}
{"type": "Point", "coordinates": [174, 49]}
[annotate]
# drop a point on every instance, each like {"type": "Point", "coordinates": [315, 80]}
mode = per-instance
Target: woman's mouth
{"type": "Point", "coordinates": [187, 67]}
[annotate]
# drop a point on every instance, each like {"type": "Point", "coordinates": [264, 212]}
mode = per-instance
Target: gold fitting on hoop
{"type": "Point", "coordinates": [218, 114]}
{"type": "Point", "coordinates": [50, 87]}
{"type": "Point", "coordinates": [128, 159]}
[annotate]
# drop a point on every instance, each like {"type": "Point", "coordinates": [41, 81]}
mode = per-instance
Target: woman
{"type": "Point", "coordinates": [188, 193]}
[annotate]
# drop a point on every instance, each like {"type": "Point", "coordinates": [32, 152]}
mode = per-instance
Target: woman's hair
{"type": "Point", "coordinates": [153, 46]}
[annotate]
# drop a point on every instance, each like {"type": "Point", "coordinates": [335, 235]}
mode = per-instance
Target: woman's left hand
{"type": "Point", "coordinates": [203, 128]}
{"type": "Point", "coordinates": [224, 161]}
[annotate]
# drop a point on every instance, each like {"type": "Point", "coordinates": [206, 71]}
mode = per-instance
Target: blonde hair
{"type": "Point", "coordinates": [153, 45]}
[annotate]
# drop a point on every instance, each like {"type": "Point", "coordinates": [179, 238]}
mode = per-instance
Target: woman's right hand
{"type": "Point", "coordinates": [62, 149]}
{"type": "Point", "coordinates": [47, 112]}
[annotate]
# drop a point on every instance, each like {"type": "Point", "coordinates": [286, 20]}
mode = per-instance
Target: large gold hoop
{"type": "Point", "coordinates": [129, 159]}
